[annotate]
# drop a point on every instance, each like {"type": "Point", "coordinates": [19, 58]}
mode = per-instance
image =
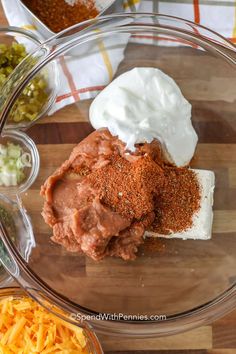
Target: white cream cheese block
{"type": "Point", "coordinates": [203, 219]}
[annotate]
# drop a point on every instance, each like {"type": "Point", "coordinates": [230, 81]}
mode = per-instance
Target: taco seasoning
{"type": "Point", "coordinates": [61, 14]}
{"type": "Point", "coordinates": [177, 202]}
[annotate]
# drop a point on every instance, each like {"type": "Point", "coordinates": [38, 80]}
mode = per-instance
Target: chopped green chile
{"type": "Point", "coordinates": [31, 101]}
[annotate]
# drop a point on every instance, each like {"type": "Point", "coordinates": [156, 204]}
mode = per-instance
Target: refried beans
{"type": "Point", "coordinates": [102, 199]}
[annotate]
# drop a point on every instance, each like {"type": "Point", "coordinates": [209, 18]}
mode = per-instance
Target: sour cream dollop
{"type": "Point", "coordinates": [143, 104]}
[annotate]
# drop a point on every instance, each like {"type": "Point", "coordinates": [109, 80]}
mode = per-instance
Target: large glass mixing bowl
{"type": "Point", "coordinates": [181, 284]}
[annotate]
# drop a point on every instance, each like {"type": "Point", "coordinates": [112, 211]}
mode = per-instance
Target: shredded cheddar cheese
{"type": "Point", "coordinates": [28, 328]}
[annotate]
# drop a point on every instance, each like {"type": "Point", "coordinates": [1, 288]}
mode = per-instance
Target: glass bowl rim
{"type": "Point", "coordinates": [179, 322]}
{"type": "Point", "coordinates": [21, 31]}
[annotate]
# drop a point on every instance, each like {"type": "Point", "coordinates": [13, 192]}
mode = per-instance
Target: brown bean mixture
{"type": "Point", "coordinates": [103, 199]}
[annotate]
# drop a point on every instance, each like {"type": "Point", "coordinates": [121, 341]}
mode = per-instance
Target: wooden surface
{"type": "Point", "coordinates": [220, 337]}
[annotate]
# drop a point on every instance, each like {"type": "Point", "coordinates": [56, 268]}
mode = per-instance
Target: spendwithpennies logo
{"type": "Point", "coordinates": [116, 317]}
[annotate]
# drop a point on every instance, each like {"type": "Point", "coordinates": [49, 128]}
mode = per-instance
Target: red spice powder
{"type": "Point", "coordinates": [142, 186]}
{"type": "Point", "coordinates": [153, 245]}
{"type": "Point", "coordinates": [59, 15]}
{"type": "Point", "coordinates": [129, 187]}
{"type": "Point", "coordinates": [177, 202]}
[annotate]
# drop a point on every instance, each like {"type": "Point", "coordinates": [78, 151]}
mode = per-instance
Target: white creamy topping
{"type": "Point", "coordinates": [202, 220]}
{"type": "Point", "coordinates": [143, 104]}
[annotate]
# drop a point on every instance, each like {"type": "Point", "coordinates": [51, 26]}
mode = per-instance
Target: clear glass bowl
{"type": "Point", "coordinates": [189, 283]}
{"type": "Point", "coordinates": [28, 146]}
{"type": "Point", "coordinates": [93, 345]}
{"type": "Point", "coordinates": [23, 238]}
{"type": "Point", "coordinates": [8, 35]}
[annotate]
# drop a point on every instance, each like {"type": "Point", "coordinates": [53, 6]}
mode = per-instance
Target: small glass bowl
{"type": "Point", "coordinates": [24, 238]}
{"type": "Point", "coordinates": [27, 144]}
{"type": "Point", "coordinates": [8, 35]}
{"type": "Point", "coordinates": [93, 345]}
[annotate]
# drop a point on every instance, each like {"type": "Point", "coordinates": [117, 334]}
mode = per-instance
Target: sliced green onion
{"type": "Point", "coordinates": [13, 161]}
{"type": "Point", "coordinates": [14, 151]}
{"type": "Point", "coordinates": [26, 159]}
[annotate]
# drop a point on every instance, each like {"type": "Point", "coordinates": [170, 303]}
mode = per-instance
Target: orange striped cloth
{"type": "Point", "coordinates": [218, 15]}
{"type": "Point", "coordinates": [90, 67]}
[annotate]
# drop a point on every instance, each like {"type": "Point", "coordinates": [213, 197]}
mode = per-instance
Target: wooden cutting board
{"type": "Point", "coordinates": [218, 338]}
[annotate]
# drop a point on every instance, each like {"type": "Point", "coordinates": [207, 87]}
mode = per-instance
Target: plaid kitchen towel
{"type": "Point", "coordinates": [78, 83]}
{"type": "Point", "coordinates": [83, 76]}
{"type": "Point", "coordinates": [218, 15]}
